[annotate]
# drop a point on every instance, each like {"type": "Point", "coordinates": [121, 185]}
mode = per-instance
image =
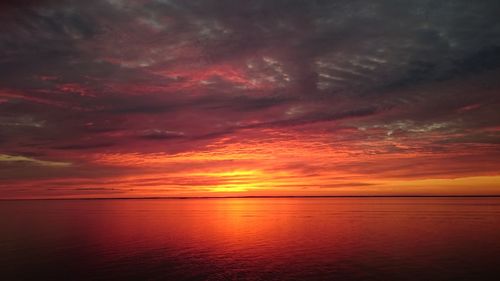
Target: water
{"type": "Point", "coordinates": [251, 239]}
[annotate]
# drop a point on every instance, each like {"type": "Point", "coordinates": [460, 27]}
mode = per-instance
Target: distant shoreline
{"type": "Point", "coordinates": [252, 197]}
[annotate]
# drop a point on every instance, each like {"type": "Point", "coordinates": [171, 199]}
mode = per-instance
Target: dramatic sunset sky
{"type": "Point", "coordinates": [215, 98]}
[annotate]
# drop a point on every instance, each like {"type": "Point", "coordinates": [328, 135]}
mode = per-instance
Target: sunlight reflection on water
{"type": "Point", "coordinates": [251, 239]}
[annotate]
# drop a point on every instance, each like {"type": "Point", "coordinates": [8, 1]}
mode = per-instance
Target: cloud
{"type": "Point", "coordinates": [84, 146]}
{"type": "Point", "coordinates": [86, 79]}
{"type": "Point", "coordinates": [23, 159]}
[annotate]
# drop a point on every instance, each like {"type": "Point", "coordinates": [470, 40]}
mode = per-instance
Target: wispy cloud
{"type": "Point", "coordinates": [22, 159]}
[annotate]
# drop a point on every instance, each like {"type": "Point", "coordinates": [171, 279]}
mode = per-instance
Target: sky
{"type": "Point", "coordinates": [227, 98]}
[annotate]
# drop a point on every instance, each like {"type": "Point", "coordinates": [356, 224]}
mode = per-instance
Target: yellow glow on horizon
{"type": "Point", "coordinates": [235, 180]}
{"type": "Point", "coordinates": [462, 185]}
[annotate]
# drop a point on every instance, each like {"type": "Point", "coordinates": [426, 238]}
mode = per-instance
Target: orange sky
{"type": "Point", "coordinates": [279, 164]}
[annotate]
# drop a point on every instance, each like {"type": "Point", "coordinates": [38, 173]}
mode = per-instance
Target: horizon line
{"type": "Point", "coordinates": [246, 197]}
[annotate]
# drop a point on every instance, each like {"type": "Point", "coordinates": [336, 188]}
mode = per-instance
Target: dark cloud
{"type": "Point", "coordinates": [81, 146]}
{"type": "Point", "coordinates": [160, 135]}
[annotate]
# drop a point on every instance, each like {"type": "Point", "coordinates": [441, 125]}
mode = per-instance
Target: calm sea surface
{"type": "Point", "coordinates": [251, 239]}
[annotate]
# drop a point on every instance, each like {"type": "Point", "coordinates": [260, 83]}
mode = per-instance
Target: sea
{"type": "Point", "coordinates": [370, 238]}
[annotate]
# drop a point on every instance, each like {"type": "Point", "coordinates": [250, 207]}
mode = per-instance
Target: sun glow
{"type": "Point", "coordinates": [235, 180]}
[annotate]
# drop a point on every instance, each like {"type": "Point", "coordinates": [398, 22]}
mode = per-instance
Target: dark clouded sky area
{"type": "Point", "coordinates": [193, 98]}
